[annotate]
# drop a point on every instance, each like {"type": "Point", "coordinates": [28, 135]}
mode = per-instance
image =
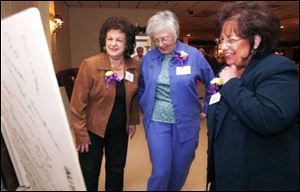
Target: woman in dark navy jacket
{"type": "Point", "coordinates": [253, 127]}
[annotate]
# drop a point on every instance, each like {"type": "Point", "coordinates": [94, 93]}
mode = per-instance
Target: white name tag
{"type": "Point", "coordinates": [129, 76]}
{"type": "Point", "coordinates": [185, 70]}
{"type": "Point", "coordinates": [215, 98]}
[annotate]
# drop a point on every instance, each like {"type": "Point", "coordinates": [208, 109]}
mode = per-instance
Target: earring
{"type": "Point", "coordinates": [253, 51]}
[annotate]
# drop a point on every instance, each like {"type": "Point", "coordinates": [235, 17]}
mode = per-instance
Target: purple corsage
{"type": "Point", "coordinates": [180, 58]}
{"type": "Point", "coordinates": [215, 84]}
{"type": "Point", "coordinates": [110, 76]}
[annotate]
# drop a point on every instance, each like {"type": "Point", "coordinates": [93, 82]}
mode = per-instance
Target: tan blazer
{"type": "Point", "coordinates": [92, 103]}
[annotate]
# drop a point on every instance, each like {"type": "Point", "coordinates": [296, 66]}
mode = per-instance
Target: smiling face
{"type": "Point", "coordinates": [236, 50]}
{"type": "Point", "coordinates": [164, 41]}
{"type": "Point", "coordinates": [115, 43]}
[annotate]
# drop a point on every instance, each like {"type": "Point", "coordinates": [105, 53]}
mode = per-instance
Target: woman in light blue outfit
{"type": "Point", "coordinates": [170, 103]}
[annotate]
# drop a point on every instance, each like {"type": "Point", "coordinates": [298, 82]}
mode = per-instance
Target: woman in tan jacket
{"type": "Point", "coordinates": [104, 110]}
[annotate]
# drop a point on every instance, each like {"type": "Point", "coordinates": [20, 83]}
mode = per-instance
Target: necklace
{"type": "Point", "coordinates": [119, 68]}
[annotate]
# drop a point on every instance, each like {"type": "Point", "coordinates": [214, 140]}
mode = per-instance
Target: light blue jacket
{"type": "Point", "coordinates": [183, 89]}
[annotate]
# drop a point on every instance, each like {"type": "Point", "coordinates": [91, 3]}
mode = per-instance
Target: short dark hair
{"type": "Point", "coordinates": [252, 18]}
{"type": "Point", "coordinates": [123, 25]}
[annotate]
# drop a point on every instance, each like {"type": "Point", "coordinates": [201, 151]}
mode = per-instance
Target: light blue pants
{"type": "Point", "coordinates": [170, 159]}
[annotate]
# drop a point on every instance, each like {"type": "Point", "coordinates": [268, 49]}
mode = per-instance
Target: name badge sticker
{"type": "Point", "coordinates": [215, 98]}
{"type": "Point", "coordinates": [185, 70]}
{"type": "Point", "coordinates": [129, 76]}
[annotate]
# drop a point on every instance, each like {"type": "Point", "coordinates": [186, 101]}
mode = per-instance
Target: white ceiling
{"type": "Point", "coordinates": [196, 17]}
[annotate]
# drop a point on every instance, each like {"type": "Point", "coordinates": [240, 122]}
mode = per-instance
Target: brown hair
{"type": "Point", "coordinates": [125, 26]}
{"type": "Point", "coordinates": [252, 18]}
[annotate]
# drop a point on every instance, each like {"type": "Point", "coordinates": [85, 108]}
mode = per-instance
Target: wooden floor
{"type": "Point", "coordinates": [138, 166]}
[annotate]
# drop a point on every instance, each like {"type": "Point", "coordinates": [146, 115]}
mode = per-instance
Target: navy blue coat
{"type": "Point", "coordinates": [253, 132]}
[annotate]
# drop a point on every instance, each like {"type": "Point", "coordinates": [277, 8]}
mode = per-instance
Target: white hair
{"type": "Point", "coordinates": [163, 20]}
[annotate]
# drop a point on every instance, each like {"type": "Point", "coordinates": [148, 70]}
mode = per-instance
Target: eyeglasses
{"type": "Point", "coordinates": [228, 42]}
{"type": "Point", "coordinates": [163, 40]}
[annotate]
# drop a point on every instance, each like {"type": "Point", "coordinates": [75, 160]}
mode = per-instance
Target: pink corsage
{"type": "Point", "coordinates": [181, 58]}
{"type": "Point", "coordinates": [110, 76]}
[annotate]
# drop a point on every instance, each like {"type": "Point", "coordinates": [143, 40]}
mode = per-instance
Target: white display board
{"type": "Point", "coordinates": [15, 159]}
{"type": "Point", "coordinates": [32, 109]}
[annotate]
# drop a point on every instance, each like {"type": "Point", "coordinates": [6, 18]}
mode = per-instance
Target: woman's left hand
{"type": "Point", "coordinates": [131, 130]}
